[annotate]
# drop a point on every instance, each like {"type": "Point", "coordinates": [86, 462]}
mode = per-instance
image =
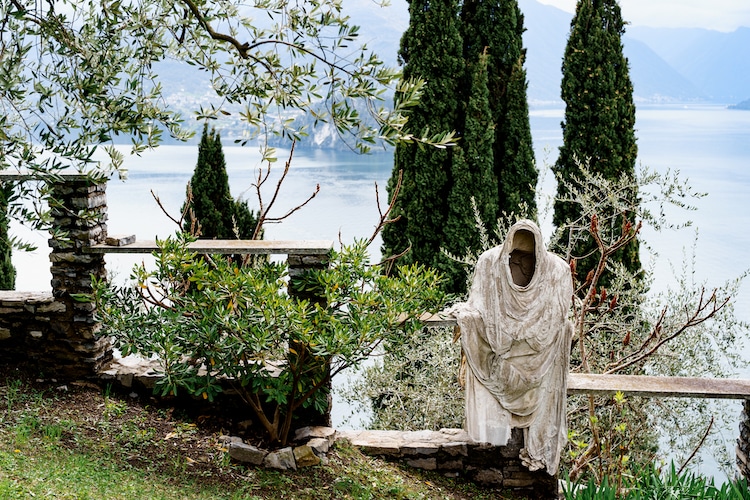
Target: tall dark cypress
{"type": "Point", "coordinates": [495, 27]}
{"type": "Point", "coordinates": [472, 176]}
{"type": "Point", "coordinates": [599, 126]}
{"type": "Point", "coordinates": [431, 50]}
{"type": "Point", "coordinates": [214, 210]}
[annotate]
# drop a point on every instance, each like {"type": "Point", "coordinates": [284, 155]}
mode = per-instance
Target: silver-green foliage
{"type": "Point", "coordinates": [208, 321]}
{"type": "Point", "coordinates": [413, 387]}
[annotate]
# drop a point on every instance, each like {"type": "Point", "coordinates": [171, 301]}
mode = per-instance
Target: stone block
{"type": "Point", "coordinates": [450, 465]}
{"type": "Point", "coordinates": [422, 463]}
{"type": "Point", "coordinates": [246, 453]}
{"type": "Point", "coordinates": [317, 431]}
{"type": "Point", "coordinates": [419, 449]}
{"type": "Point", "coordinates": [304, 456]}
{"type": "Point", "coordinates": [228, 440]}
{"type": "Point", "coordinates": [4, 334]}
{"type": "Point", "coordinates": [319, 445]}
{"type": "Point", "coordinates": [119, 240]}
{"type": "Point", "coordinates": [126, 379]}
{"type": "Point", "coordinates": [72, 258]}
{"type": "Point", "coordinates": [282, 459]}
{"type": "Point", "coordinates": [52, 307]}
{"type": "Point", "coordinates": [489, 476]}
{"type": "Point", "coordinates": [83, 306]}
{"type": "Point", "coordinates": [456, 449]}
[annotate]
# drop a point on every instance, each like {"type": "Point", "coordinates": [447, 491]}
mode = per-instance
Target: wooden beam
{"type": "Point", "coordinates": [256, 247]}
{"type": "Point", "coordinates": [665, 387]}
{"type": "Point", "coordinates": [638, 385]}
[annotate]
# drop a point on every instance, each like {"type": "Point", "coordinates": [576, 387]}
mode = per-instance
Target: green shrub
{"type": "Point", "coordinates": [209, 321]}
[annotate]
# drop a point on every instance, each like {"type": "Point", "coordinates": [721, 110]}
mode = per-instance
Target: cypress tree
{"type": "Point", "coordinates": [495, 27]}
{"type": "Point", "coordinates": [473, 176]}
{"type": "Point", "coordinates": [214, 211]}
{"type": "Point", "coordinates": [7, 270]}
{"type": "Point", "coordinates": [430, 49]}
{"type": "Point", "coordinates": [599, 125]}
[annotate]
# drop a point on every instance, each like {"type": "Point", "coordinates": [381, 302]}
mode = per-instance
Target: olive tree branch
{"type": "Point", "coordinates": [244, 48]}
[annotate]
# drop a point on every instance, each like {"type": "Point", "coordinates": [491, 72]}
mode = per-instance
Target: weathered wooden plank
{"type": "Point", "coordinates": [256, 247]}
{"type": "Point", "coordinates": [642, 385]}
{"type": "Point", "coordinates": [438, 319]}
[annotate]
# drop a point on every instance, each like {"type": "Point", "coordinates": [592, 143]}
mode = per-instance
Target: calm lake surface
{"type": "Point", "coordinates": [709, 145]}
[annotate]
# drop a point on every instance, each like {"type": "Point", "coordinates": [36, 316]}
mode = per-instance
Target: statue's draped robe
{"type": "Point", "coordinates": [516, 337]}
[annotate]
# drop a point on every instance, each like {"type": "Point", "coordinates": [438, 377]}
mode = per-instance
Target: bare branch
{"type": "Point", "coordinates": [389, 262]}
{"type": "Point", "coordinates": [701, 314]}
{"type": "Point", "coordinates": [164, 210]}
{"type": "Point", "coordinates": [384, 215]}
{"type": "Point", "coordinates": [263, 212]}
{"type": "Point", "coordinates": [697, 447]}
{"type": "Point", "coordinates": [290, 212]}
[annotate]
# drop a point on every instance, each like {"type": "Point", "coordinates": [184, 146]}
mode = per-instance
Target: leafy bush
{"type": "Point", "coordinates": [209, 321]}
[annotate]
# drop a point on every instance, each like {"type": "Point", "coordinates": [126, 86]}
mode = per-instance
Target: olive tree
{"type": "Point", "coordinates": [76, 77]}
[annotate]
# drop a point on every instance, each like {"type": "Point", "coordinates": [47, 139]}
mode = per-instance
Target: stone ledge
{"type": "Point", "coordinates": [131, 369]}
{"type": "Point", "coordinates": [11, 298]}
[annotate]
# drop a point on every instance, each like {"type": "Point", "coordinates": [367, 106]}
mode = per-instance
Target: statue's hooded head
{"type": "Point", "coordinates": [524, 252]}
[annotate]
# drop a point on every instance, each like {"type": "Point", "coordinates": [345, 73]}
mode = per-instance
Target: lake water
{"type": "Point", "coordinates": [710, 145]}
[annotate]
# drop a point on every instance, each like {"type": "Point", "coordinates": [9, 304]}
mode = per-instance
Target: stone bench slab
{"type": "Point", "coordinates": [254, 247]}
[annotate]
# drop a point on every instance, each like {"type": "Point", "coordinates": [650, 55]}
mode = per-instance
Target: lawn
{"type": "Point", "coordinates": [85, 441]}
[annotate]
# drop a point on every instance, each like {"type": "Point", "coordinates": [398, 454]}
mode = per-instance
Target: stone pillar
{"type": "Point", "coordinates": [76, 347]}
{"type": "Point", "coordinates": [298, 266]}
{"type": "Point", "coordinates": [743, 442]}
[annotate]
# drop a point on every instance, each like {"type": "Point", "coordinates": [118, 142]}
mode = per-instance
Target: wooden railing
{"type": "Point", "coordinates": [639, 385]}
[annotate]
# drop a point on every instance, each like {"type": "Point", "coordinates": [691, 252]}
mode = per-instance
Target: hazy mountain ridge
{"type": "Point", "coordinates": [675, 65]}
{"type": "Point", "coordinates": [716, 62]}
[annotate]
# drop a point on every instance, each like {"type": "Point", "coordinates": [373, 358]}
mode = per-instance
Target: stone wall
{"type": "Point", "coordinates": [56, 332]}
{"type": "Point", "coordinates": [453, 453]}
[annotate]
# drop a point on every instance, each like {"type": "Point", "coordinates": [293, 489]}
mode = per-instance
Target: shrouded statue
{"type": "Point", "coordinates": [516, 334]}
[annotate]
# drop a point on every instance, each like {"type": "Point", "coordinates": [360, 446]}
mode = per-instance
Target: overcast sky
{"type": "Point", "coordinates": [722, 15]}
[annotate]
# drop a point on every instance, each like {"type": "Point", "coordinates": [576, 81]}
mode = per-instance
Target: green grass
{"type": "Point", "coordinates": [53, 472]}
{"type": "Point", "coordinates": [88, 444]}
{"type": "Point", "coordinates": [91, 444]}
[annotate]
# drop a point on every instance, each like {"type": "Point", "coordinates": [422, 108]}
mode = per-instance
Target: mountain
{"type": "Point", "coordinates": [654, 80]}
{"type": "Point", "coordinates": [666, 64]}
{"type": "Point", "coordinates": [716, 62]}
{"type": "Point", "coordinates": [546, 34]}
